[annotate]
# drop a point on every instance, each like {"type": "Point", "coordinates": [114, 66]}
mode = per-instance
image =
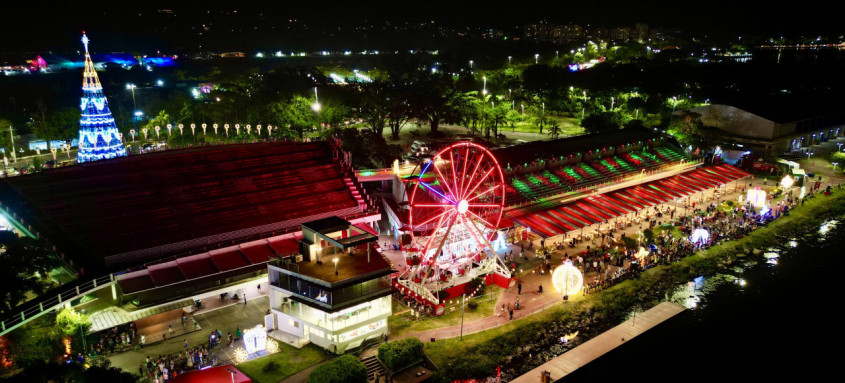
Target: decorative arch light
{"type": "Point", "coordinates": [255, 339]}
{"type": "Point", "coordinates": [567, 279]}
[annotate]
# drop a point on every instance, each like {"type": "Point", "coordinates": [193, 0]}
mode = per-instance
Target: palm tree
{"type": "Point", "coordinates": [554, 128]}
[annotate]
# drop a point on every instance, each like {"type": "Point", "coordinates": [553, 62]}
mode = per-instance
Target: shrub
{"type": "Point", "coordinates": [272, 366]}
{"type": "Point", "coordinates": [400, 353]}
{"type": "Point", "coordinates": [345, 369]}
{"type": "Point", "coordinates": [472, 305]}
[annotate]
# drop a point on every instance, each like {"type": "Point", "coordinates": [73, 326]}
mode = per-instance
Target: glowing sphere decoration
{"type": "Point", "coordinates": [699, 236]}
{"type": "Point", "coordinates": [567, 279]}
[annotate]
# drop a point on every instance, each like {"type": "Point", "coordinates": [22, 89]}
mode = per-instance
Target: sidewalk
{"type": "Point", "coordinates": [225, 319]}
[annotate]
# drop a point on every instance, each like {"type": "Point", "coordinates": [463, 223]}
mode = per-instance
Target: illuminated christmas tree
{"type": "Point", "coordinates": [98, 135]}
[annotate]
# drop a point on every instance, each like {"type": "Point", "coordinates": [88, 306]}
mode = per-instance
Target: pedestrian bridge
{"type": "Point", "coordinates": [48, 302]}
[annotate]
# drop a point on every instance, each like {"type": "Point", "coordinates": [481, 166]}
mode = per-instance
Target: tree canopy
{"type": "Point", "coordinates": [25, 260]}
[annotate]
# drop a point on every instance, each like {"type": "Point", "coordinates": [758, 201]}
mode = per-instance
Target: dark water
{"type": "Point", "coordinates": [784, 324]}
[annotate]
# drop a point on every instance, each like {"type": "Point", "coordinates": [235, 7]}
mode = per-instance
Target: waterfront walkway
{"type": "Point", "coordinates": [605, 342]}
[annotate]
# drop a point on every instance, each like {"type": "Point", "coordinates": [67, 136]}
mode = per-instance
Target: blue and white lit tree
{"type": "Point", "coordinates": [98, 135]}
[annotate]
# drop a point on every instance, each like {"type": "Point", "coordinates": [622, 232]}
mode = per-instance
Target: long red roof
{"type": "Point", "coordinates": [136, 208]}
{"type": "Point", "coordinates": [561, 218]}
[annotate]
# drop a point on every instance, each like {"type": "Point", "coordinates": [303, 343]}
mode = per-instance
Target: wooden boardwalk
{"type": "Point", "coordinates": [579, 356]}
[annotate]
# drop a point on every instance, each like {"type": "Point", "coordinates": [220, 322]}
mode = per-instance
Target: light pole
{"type": "Point", "coordinates": [316, 105]}
{"type": "Point", "coordinates": [81, 332]}
{"type": "Point", "coordinates": [484, 89]}
{"type": "Point", "coordinates": [584, 107]}
{"type": "Point", "coordinates": [12, 135]}
{"type": "Point", "coordinates": [335, 265]}
{"type": "Point", "coordinates": [509, 60]}
{"type": "Point", "coordinates": [463, 309]}
{"type": "Point", "coordinates": [131, 87]}
{"type": "Point", "coordinates": [536, 58]}
{"type": "Point", "coordinates": [674, 103]}
{"type": "Point", "coordinates": [470, 64]}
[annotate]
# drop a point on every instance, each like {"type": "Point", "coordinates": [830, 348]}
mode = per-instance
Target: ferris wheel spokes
{"type": "Point", "coordinates": [480, 181]}
{"type": "Point", "coordinates": [471, 177]}
{"type": "Point", "coordinates": [482, 194]}
{"type": "Point", "coordinates": [445, 214]}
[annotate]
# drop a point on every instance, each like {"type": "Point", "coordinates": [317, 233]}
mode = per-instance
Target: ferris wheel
{"type": "Point", "coordinates": [455, 208]}
{"type": "Point", "coordinates": [456, 204]}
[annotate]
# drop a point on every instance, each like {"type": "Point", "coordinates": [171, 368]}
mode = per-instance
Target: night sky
{"type": "Point", "coordinates": [32, 26]}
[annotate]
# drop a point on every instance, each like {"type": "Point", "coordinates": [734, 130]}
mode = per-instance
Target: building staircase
{"type": "Point", "coordinates": [374, 366]}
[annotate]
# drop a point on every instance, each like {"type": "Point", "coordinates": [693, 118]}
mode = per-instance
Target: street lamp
{"type": "Point", "coordinates": [131, 87]}
{"type": "Point", "coordinates": [470, 64]}
{"type": "Point", "coordinates": [536, 58]}
{"type": "Point", "coordinates": [81, 331]}
{"type": "Point", "coordinates": [584, 106]}
{"type": "Point", "coordinates": [316, 105]}
{"type": "Point", "coordinates": [509, 60]}
{"type": "Point", "coordinates": [335, 265]}
{"type": "Point", "coordinates": [675, 103]}
{"type": "Point", "coordinates": [484, 89]}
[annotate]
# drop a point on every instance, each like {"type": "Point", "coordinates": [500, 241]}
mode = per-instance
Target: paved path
{"type": "Point", "coordinates": [225, 319]}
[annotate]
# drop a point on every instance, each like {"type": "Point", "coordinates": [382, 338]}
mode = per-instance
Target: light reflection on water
{"type": "Point", "coordinates": [825, 228]}
{"type": "Point", "coordinates": [694, 294]}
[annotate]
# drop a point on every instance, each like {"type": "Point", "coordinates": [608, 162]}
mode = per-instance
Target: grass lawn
{"type": "Point", "coordinates": [289, 359]}
{"type": "Point", "coordinates": [405, 324]}
{"type": "Point", "coordinates": [568, 127]}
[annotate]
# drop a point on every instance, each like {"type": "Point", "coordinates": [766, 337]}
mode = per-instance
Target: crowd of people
{"type": "Point", "coordinates": [166, 367]}
{"type": "Point", "coordinates": [611, 258]}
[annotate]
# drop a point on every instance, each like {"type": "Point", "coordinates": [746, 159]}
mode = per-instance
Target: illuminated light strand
{"type": "Point", "coordinates": [99, 137]}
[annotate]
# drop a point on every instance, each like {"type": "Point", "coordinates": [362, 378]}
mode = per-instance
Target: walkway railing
{"type": "Point", "coordinates": [48, 302]}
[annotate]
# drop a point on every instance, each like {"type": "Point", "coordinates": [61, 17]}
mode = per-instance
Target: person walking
{"type": "Point", "coordinates": [518, 288]}
{"type": "Point", "coordinates": [184, 319]}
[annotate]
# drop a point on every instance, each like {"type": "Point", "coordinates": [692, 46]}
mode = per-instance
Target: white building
{"type": "Point", "coordinates": [336, 293]}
